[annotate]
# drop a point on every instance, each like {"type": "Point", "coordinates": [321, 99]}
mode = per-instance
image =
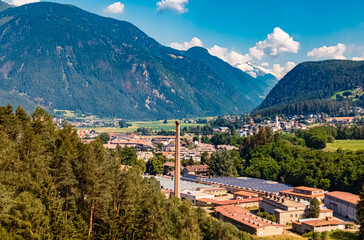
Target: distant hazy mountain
{"type": "Point", "coordinates": [62, 57]}
{"type": "Point", "coordinates": [3, 6]}
{"type": "Point", "coordinates": [259, 73]}
{"type": "Point", "coordinates": [236, 78]}
{"type": "Point", "coordinates": [311, 87]}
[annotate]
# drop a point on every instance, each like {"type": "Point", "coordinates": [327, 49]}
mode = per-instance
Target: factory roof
{"type": "Point", "coordinates": [250, 183]}
{"type": "Point", "coordinates": [243, 216]}
{"type": "Point", "coordinates": [345, 196]}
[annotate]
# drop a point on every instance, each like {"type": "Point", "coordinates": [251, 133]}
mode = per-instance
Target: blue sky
{"type": "Point", "coordinates": [275, 35]}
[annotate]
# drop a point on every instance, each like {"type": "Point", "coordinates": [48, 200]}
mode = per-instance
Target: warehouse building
{"type": "Point", "coordinates": [248, 222]}
{"type": "Point", "coordinates": [342, 203]}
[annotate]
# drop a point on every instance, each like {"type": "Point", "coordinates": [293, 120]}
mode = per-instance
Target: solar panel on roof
{"type": "Point", "coordinates": [251, 183]}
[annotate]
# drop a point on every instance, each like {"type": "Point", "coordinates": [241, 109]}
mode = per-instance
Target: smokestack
{"type": "Point", "coordinates": [177, 164]}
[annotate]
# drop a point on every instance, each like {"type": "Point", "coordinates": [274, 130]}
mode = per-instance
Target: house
{"type": "Point", "coordinates": [288, 209]}
{"type": "Point", "coordinates": [200, 170]}
{"type": "Point", "coordinates": [167, 167]}
{"type": "Point", "coordinates": [318, 225]}
{"type": "Point", "coordinates": [305, 193]}
{"type": "Point", "coordinates": [224, 129]}
{"type": "Point", "coordinates": [248, 222]}
{"type": "Point", "coordinates": [246, 203]}
{"type": "Point", "coordinates": [244, 194]}
{"type": "Point", "coordinates": [204, 202]}
{"type": "Point", "coordinates": [168, 193]}
{"type": "Point", "coordinates": [342, 203]}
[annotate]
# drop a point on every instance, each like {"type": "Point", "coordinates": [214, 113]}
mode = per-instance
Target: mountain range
{"type": "Point", "coordinates": [314, 87]}
{"type": "Point", "coordinates": [62, 57]}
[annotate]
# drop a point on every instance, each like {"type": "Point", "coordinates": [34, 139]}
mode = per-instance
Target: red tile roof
{"type": "Point", "coordinates": [206, 200]}
{"type": "Point", "coordinates": [319, 222]}
{"type": "Point", "coordinates": [245, 194]}
{"type": "Point", "coordinates": [345, 196]}
{"type": "Point", "coordinates": [195, 168]}
{"type": "Point", "coordinates": [308, 188]}
{"type": "Point", "coordinates": [243, 216]}
{"type": "Point", "coordinates": [237, 201]}
{"type": "Point", "coordinates": [303, 195]}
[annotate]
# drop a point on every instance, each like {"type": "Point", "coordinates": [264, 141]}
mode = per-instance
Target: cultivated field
{"type": "Point", "coordinates": [345, 144]}
{"type": "Point", "coordinates": [155, 125]}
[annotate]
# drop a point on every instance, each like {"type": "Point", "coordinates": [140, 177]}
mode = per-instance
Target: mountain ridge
{"type": "Point", "coordinates": [62, 57]}
{"type": "Point", "coordinates": [308, 87]}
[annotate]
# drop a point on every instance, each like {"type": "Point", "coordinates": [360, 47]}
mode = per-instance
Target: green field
{"type": "Point", "coordinates": [72, 114]}
{"type": "Point", "coordinates": [354, 92]}
{"type": "Point", "coordinates": [345, 144]}
{"type": "Point", "coordinates": [155, 125]}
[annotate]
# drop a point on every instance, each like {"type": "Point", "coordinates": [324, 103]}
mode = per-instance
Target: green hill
{"type": "Point", "coordinates": [62, 57]}
{"type": "Point", "coordinates": [310, 87]}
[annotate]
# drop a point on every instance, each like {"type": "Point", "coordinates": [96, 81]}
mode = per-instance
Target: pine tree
{"type": "Point", "coordinates": [314, 210]}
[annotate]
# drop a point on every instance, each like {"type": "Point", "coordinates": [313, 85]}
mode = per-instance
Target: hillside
{"type": "Point", "coordinates": [310, 86]}
{"type": "Point", "coordinates": [62, 57]}
{"type": "Point", "coordinates": [3, 6]}
{"type": "Point", "coordinates": [237, 78]}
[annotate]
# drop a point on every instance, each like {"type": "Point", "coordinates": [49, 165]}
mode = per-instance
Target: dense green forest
{"type": "Point", "coordinates": [54, 186]}
{"type": "Point", "coordinates": [309, 86]}
{"type": "Point", "coordinates": [295, 159]}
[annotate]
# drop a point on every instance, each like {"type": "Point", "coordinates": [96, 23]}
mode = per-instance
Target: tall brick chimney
{"type": "Point", "coordinates": [177, 164]}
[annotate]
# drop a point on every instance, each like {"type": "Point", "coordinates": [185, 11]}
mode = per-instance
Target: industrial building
{"type": "Point", "coordinates": [193, 196]}
{"type": "Point", "coordinates": [305, 193]}
{"type": "Point", "coordinates": [318, 225]}
{"type": "Point", "coordinates": [244, 194]}
{"type": "Point", "coordinates": [248, 222]}
{"type": "Point", "coordinates": [288, 209]}
{"type": "Point", "coordinates": [246, 203]}
{"type": "Point", "coordinates": [342, 203]}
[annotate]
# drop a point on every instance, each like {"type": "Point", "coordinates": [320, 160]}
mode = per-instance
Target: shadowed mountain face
{"type": "Point", "coordinates": [61, 57]}
{"type": "Point", "coordinates": [309, 87]}
{"type": "Point", "coordinates": [3, 6]}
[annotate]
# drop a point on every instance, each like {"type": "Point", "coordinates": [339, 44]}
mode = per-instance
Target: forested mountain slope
{"type": "Point", "coordinates": [310, 86]}
{"type": "Point", "coordinates": [62, 57]}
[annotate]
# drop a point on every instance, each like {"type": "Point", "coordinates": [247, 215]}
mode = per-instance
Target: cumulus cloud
{"type": "Point", "coordinates": [176, 5]}
{"type": "Point", "coordinates": [230, 57]}
{"type": "Point", "coordinates": [335, 52]}
{"type": "Point", "coordinates": [195, 42]}
{"type": "Point", "coordinates": [22, 2]}
{"type": "Point", "coordinates": [279, 71]}
{"type": "Point", "coordinates": [276, 43]}
{"type": "Point", "coordinates": [115, 8]}
{"type": "Point", "coordinates": [358, 59]}
{"type": "Point", "coordinates": [242, 61]}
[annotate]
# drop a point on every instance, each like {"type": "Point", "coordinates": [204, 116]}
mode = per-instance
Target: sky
{"type": "Point", "coordinates": [273, 36]}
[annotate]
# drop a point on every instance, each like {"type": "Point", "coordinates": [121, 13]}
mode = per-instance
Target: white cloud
{"type": "Point", "coordinates": [195, 42]}
{"type": "Point", "coordinates": [230, 57]}
{"type": "Point", "coordinates": [276, 43]}
{"type": "Point", "coordinates": [22, 2]}
{"type": "Point", "coordinates": [115, 8]}
{"type": "Point", "coordinates": [336, 52]}
{"type": "Point", "coordinates": [278, 71]}
{"type": "Point", "coordinates": [358, 59]}
{"type": "Point", "coordinates": [176, 5]}
{"type": "Point", "coordinates": [242, 61]}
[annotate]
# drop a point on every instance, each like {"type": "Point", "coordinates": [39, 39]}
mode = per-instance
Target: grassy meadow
{"type": "Point", "coordinates": [155, 125]}
{"type": "Point", "coordinates": [345, 144]}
